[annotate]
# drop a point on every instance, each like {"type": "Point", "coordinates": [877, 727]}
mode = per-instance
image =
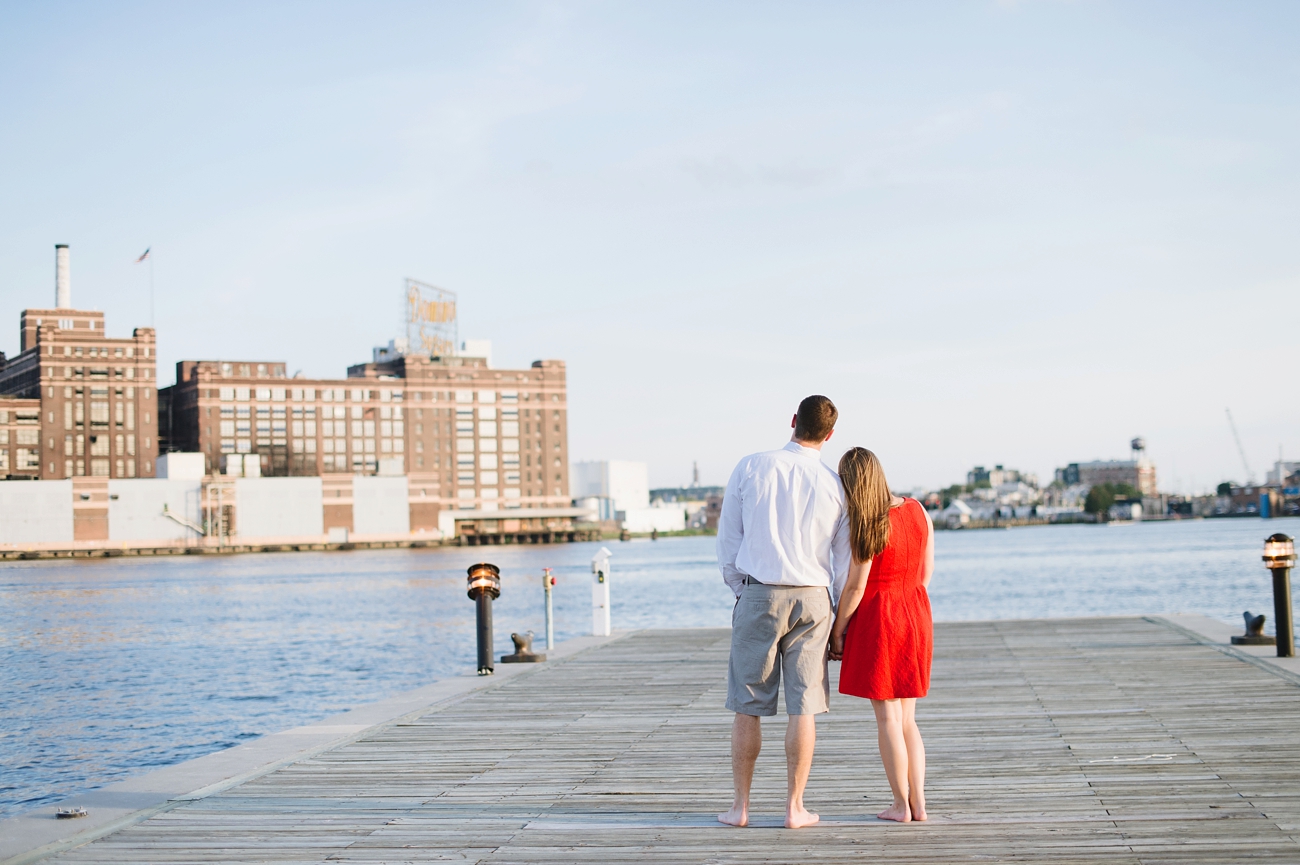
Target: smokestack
{"type": "Point", "coordinates": [62, 277]}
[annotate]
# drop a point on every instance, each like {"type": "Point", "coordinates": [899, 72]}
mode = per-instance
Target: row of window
{"type": "Point", "coordinates": [102, 392]}
{"type": "Point", "coordinates": [100, 468]}
{"type": "Point", "coordinates": [99, 445]}
{"type": "Point", "coordinates": [74, 414]}
{"type": "Point", "coordinates": [119, 373]}
{"type": "Point", "coordinates": [356, 394]}
{"type": "Point", "coordinates": [100, 351]}
{"type": "Point", "coordinates": [21, 437]}
{"type": "Point", "coordinates": [244, 445]}
{"type": "Point", "coordinates": [24, 460]}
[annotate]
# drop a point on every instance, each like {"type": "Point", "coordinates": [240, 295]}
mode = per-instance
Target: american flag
{"type": "Point", "coordinates": [143, 256]}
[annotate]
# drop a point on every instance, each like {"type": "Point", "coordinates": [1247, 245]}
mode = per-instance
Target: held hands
{"type": "Point", "coordinates": [836, 648]}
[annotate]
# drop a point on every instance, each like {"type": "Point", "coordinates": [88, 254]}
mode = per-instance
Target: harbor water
{"type": "Point", "coordinates": [113, 667]}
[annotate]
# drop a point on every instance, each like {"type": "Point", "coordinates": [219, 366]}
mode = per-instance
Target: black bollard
{"type": "Point", "coordinates": [484, 587]}
{"type": "Point", "coordinates": [1279, 556]}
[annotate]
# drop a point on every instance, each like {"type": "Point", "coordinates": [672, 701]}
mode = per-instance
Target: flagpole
{"type": "Point", "coordinates": [151, 322]}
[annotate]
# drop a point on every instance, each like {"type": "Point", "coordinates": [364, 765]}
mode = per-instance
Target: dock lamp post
{"type": "Point", "coordinates": [1279, 556]}
{"type": "Point", "coordinates": [484, 587]}
{"type": "Point", "coordinates": [600, 593]}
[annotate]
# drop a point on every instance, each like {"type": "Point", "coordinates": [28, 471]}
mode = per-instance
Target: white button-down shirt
{"type": "Point", "coordinates": [783, 521]}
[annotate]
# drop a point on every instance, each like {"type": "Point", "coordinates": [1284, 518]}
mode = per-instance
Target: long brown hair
{"type": "Point", "coordinates": [867, 497]}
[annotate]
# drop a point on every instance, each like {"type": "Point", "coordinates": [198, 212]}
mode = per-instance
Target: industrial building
{"type": "Point", "coordinates": [423, 440]}
{"type": "Point", "coordinates": [1138, 472]}
{"type": "Point", "coordinates": [466, 435]}
{"type": "Point", "coordinates": [75, 402]}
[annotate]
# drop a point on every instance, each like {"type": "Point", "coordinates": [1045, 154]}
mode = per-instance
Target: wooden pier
{"type": "Point", "coordinates": [1121, 740]}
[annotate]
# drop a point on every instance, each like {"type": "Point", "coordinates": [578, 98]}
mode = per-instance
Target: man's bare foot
{"type": "Point", "coordinates": [737, 816]}
{"type": "Point", "coordinates": [896, 812]}
{"type": "Point", "coordinates": [800, 818]}
{"type": "Point", "coordinates": [918, 810]}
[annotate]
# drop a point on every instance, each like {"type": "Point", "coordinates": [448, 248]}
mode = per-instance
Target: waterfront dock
{"type": "Point", "coordinates": [1115, 740]}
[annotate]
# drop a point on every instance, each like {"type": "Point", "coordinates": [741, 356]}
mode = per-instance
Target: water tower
{"type": "Point", "coordinates": [1139, 446]}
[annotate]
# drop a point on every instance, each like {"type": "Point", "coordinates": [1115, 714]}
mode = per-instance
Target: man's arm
{"type": "Point", "coordinates": [731, 531]}
{"type": "Point", "coordinates": [841, 558]}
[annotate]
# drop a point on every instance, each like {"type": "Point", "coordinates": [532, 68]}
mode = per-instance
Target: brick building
{"type": "Point", "coordinates": [468, 436]}
{"type": "Point", "coordinates": [75, 401]}
{"type": "Point", "coordinates": [1139, 474]}
{"type": "Point", "coordinates": [20, 438]}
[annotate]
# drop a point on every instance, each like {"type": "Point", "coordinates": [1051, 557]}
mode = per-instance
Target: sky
{"type": "Point", "coordinates": [1014, 233]}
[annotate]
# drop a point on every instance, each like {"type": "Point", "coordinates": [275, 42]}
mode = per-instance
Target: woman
{"type": "Point", "coordinates": [882, 631]}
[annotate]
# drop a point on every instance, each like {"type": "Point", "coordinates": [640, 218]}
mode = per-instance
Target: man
{"type": "Point", "coordinates": [783, 540]}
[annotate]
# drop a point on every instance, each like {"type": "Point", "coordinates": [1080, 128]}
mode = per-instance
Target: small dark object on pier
{"type": "Point", "coordinates": [70, 813]}
{"type": "Point", "coordinates": [1254, 635]}
{"type": "Point", "coordinates": [524, 653]}
{"type": "Point", "coordinates": [625, 535]}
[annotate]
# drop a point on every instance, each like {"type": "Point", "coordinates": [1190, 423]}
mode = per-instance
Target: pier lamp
{"type": "Point", "coordinates": [484, 587]}
{"type": "Point", "coordinates": [1279, 557]}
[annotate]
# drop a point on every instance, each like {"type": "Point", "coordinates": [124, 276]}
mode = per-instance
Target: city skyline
{"type": "Point", "coordinates": [991, 232]}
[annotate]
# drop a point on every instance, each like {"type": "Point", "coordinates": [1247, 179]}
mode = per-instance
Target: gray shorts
{"type": "Point", "coordinates": [775, 630]}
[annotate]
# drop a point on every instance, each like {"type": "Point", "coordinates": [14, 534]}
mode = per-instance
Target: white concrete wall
{"type": "Point", "coordinates": [380, 505]}
{"type": "Point", "coordinates": [34, 512]}
{"type": "Point", "coordinates": [135, 509]}
{"type": "Point", "coordinates": [627, 483]}
{"type": "Point", "coordinates": [178, 466]}
{"type": "Point", "coordinates": [278, 507]}
{"type": "Point", "coordinates": [668, 519]}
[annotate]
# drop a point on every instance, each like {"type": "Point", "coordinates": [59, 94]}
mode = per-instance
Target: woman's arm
{"type": "Point", "coordinates": [928, 567]}
{"type": "Point", "coordinates": [854, 587]}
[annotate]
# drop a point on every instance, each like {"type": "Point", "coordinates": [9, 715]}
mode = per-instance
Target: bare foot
{"type": "Point", "coordinates": [896, 812]}
{"type": "Point", "coordinates": [800, 818]}
{"type": "Point", "coordinates": [918, 810]}
{"type": "Point", "coordinates": [737, 816]}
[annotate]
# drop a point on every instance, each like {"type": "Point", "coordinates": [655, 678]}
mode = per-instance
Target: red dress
{"type": "Point", "coordinates": [890, 639]}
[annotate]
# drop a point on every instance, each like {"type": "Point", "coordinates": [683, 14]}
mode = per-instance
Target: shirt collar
{"type": "Point", "coordinates": [796, 448]}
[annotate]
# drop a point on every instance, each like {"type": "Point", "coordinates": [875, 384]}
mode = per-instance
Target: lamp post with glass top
{"type": "Point", "coordinates": [1279, 557]}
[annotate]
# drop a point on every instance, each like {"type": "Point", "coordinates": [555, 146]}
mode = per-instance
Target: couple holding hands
{"type": "Point", "coordinates": [825, 566]}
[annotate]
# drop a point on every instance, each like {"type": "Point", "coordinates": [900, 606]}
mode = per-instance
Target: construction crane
{"type": "Point", "coordinates": [1250, 476]}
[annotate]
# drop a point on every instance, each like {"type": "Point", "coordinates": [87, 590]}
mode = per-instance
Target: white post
{"type": "Point", "coordinates": [547, 582]}
{"type": "Point", "coordinates": [600, 593]}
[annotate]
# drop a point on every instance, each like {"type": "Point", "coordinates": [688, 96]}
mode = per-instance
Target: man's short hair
{"type": "Point", "coordinates": [816, 419]}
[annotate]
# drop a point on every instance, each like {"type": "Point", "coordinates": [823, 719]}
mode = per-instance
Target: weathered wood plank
{"type": "Point", "coordinates": [1104, 740]}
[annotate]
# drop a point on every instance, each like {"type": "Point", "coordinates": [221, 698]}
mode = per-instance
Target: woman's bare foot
{"type": "Point", "coordinates": [898, 812]}
{"type": "Point", "coordinates": [918, 810]}
{"type": "Point", "coordinates": [800, 818]}
{"type": "Point", "coordinates": [737, 816]}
